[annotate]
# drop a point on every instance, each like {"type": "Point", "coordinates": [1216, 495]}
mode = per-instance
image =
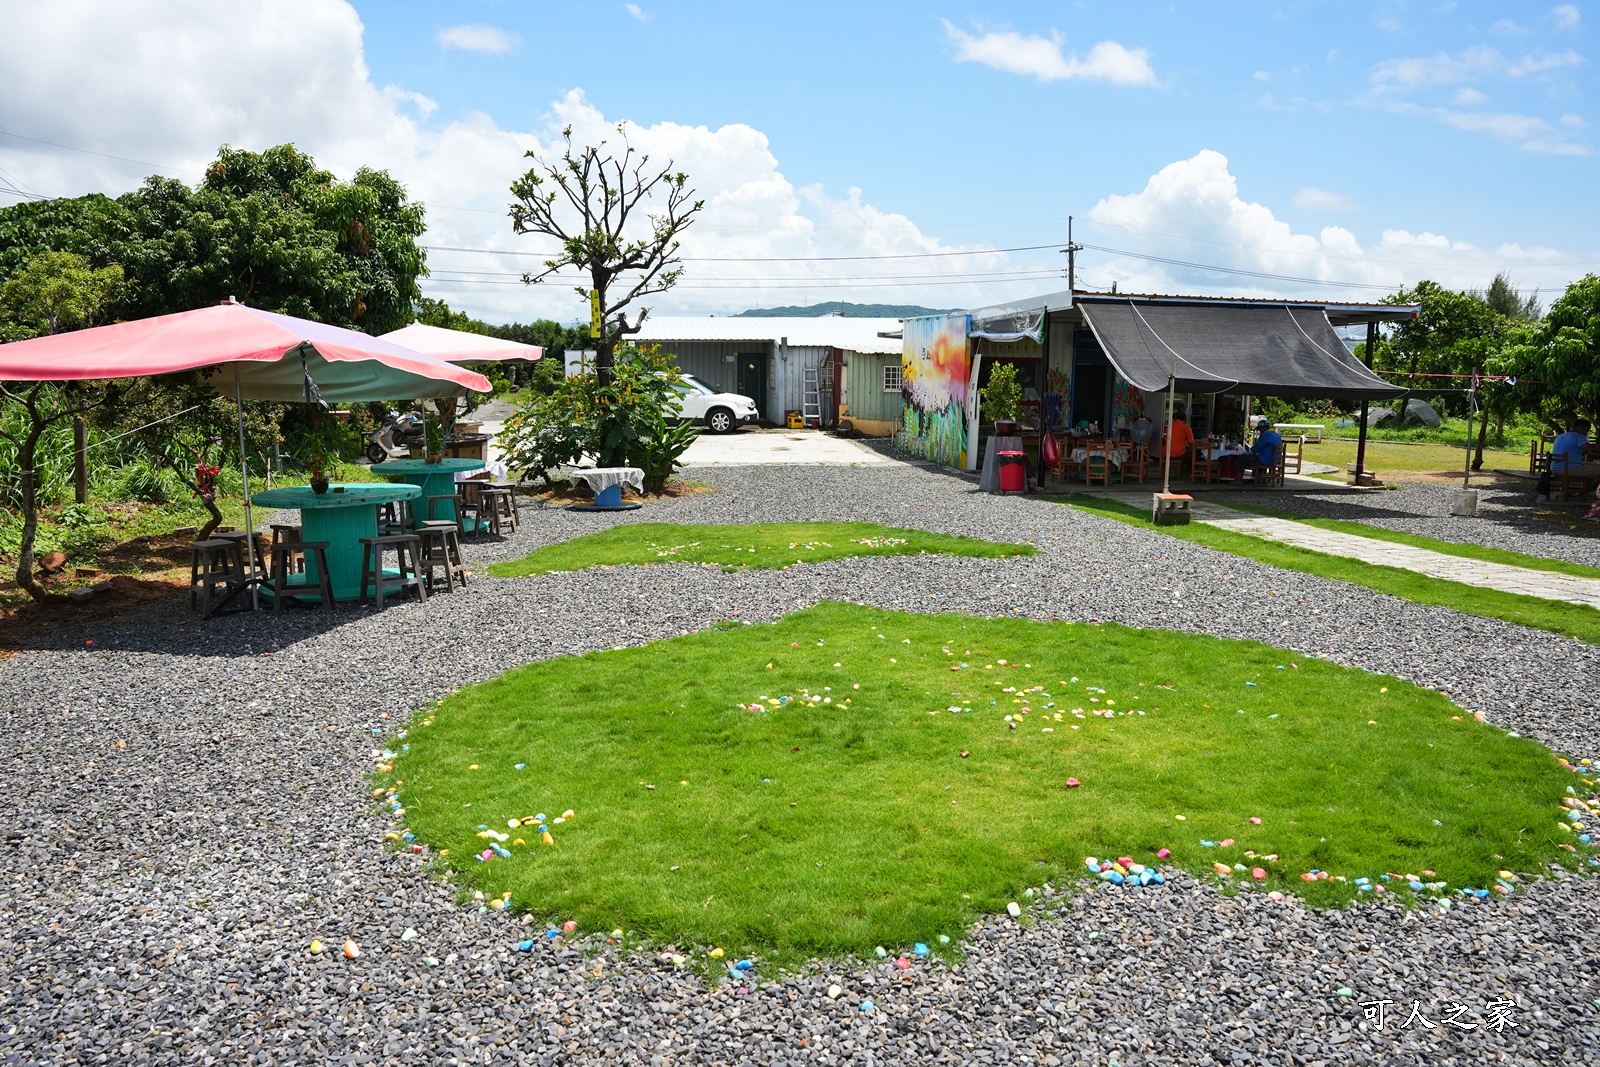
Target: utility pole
{"type": "Point", "coordinates": [1072, 251]}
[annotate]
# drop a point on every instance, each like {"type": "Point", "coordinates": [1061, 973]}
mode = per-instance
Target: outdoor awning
{"type": "Point", "coordinates": [459, 346]}
{"type": "Point", "coordinates": [1260, 350]}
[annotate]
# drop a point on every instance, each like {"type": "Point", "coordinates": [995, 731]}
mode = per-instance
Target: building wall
{"type": "Point", "coordinates": [864, 395]}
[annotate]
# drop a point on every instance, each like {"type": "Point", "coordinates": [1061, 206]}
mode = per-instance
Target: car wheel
{"type": "Point", "coordinates": [720, 420]}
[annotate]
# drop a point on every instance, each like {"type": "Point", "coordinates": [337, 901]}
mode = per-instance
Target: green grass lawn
{"type": "Point", "coordinates": [1394, 459]}
{"type": "Point", "coordinates": [847, 777]}
{"type": "Point", "coordinates": [1433, 544]}
{"type": "Point", "coordinates": [1572, 620]}
{"type": "Point", "coordinates": [766, 544]}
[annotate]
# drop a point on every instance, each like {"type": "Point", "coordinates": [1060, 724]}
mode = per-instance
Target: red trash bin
{"type": "Point", "coordinates": [1013, 471]}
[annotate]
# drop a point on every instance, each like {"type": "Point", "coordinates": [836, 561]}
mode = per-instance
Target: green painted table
{"type": "Point", "coordinates": [435, 479]}
{"type": "Point", "coordinates": [341, 516]}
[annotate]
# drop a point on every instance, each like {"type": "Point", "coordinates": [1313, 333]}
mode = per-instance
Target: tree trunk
{"type": "Point", "coordinates": [1483, 434]}
{"type": "Point", "coordinates": [30, 522]}
{"type": "Point", "coordinates": [210, 501]}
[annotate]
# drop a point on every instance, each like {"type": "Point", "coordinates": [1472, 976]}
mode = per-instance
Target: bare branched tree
{"type": "Point", "coordinates": [608, 192]}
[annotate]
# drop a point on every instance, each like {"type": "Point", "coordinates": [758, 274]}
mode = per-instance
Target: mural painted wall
{"type": "Point", "coordinates": [934, 369]}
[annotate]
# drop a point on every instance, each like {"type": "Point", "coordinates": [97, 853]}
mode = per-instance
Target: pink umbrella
{"type": "Point", "coordinates": [261, 354]}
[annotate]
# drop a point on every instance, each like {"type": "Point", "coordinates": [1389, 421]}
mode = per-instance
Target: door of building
{"type": "Point", "coordinates": [753, 381]}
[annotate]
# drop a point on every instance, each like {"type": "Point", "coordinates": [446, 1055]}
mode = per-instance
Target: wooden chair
{"type": "Point", "coordinates": [1203, 468]}
{"type": "Point", "coordinates": [1539, 454]}
{"type": "Point", "coordinates": [1097, 468]}
{"type": "Point", "coordinates": [1137, 465]}
{"type": "Point", "coordinates": [406, 563]}
{"type": "Point", "coordinates": [1067, 468]}
{"type": "Point", "coordinates": [1272, 473]}
{"type": "Point", "coordinates": [289, 557]}
{"type": "Point", "coordinates": [1292, 461]}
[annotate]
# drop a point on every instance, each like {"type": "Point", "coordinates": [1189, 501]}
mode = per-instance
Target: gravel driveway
{"type": "Point", "coordinates": [158, 898]}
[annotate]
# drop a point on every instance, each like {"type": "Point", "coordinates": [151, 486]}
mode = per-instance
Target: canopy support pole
{"type": "Point", "coordinates": [1166, 459]}
{"type": "Point", "coordinates": [1361, 430]}
{"type": "Point", "coordinates": [244, 471]}
{"type": "Point", "coordinates": [1472, 406]}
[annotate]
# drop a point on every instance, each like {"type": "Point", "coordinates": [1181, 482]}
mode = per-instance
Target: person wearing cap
{"type": "Point", "coordinates": [1264, 453]}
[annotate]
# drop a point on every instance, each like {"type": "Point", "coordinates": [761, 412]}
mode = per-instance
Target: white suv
{"type": "Point", "coordinates": [721, 412]}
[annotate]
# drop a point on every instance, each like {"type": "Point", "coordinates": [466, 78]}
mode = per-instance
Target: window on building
{"type": "Point", "coordinates": [891, 378]}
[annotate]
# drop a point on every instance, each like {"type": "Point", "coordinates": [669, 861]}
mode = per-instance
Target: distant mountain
{"type": "Point", "coordinates": [838, 307]}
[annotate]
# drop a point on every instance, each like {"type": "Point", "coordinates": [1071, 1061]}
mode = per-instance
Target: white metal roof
{"type": "Point", "coordinates": [831, 331]}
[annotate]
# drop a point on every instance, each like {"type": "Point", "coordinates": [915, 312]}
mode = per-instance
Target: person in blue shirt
{"type": "Point", "coordinates": [1566, 452]}
{"type": "Point", "coordinates": [1264, 453]}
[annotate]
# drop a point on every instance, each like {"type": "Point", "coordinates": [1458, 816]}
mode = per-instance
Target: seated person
{"type": "Point", "coordinates": [1180, 440]}
{"type": "Point", "coordinates": [1264, 453]}
{"type": "Point", "coordinates": [1566, 453]}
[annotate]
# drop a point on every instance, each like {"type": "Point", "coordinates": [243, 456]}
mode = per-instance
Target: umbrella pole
{"type": "Point", "coordinates": [244, 471]}
{"type": "Point", "coordinates": [1166, 473]}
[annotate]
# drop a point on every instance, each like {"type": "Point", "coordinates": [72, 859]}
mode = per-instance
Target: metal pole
{"type": "Point", "coordinates": [80, 460]}
{"type": "Point", "coordinates": [244, 471]}
{"type": "Point", "coordinates": [1166, 472]}
{"type": "Point", "coordinates": [1361, 431]}
{"type": "Point", "coordinates": [1472, 404]}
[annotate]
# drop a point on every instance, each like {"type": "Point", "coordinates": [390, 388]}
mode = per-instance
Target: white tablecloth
{"type": "Point", "coordinates": [1117, 456]}
{"type": "Point", "coordinates": [497, 471]}
{"type": "Point", "coordinates": [600, 479]}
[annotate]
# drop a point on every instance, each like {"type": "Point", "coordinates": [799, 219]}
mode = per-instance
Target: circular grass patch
{"type": "Point", "coordinates": [849, 777]}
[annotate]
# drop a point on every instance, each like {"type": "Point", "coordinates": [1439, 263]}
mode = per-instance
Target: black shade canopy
{"type": "Point", "coordinates": [1262, 350]}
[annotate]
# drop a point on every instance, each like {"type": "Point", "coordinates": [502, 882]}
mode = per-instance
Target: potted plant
{"type": "Point", "coordinates": [434, 436]}
{"type": "Point", "coordinates": [1002, 399]}
{"type": "Point", "coordinates": [319, 479]}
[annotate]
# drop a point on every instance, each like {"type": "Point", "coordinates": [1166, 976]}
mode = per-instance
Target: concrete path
{"type": "Point", "coordinates": [1545, 584]}
{"type": "Point", "coordinates": [748, 447]}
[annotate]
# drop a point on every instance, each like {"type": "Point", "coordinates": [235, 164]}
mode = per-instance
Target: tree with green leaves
{"type": "Point", "coordinates": [618, 221]}
{"type": "Point", "coordinates": [52, 292]}
{"type": "Point", "coordinates": [1560, 357]}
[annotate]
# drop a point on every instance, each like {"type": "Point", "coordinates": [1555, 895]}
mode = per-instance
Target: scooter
{"type": "Point", "coordinates": [395, 437]}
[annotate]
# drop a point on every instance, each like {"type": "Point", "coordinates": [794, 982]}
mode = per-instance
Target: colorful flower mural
{"type": "Point", "coordinates": [935, 369]}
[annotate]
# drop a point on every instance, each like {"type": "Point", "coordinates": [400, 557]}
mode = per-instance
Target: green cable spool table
{"type": "Point", "coordinates": [434, 479]}
{"type": "Point", "coordinates": [341, 517]}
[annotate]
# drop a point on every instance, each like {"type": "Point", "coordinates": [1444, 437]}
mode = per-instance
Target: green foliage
{"type": "Point", "coordinates": [1563, 352]}
{"type": "Point", "coordinates": [610, 420]}
{"type": "Point", "coordinates": [56, 291]}
{"type": "Point", "coordinates": [52, 459]}
{"type": "Point", "coordinates": [268, 228]}
{"type": "Point", "coordinates": [863, 811]}
{"type": "Point", "coordinates": [1002, 397]}
{"type": "Point", "coordinates": [659, 454]}
{"type": "Point", "coordinates": [432, 434]}
{"type": "Point", "coordinates": [764, 545]}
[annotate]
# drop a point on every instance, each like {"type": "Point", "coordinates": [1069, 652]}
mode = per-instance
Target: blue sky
{"type": "Point", "coordinates": [1355, 143]}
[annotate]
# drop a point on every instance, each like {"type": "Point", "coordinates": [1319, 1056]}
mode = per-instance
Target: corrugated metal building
{"type": "Point", "coordinates": [766, 360]}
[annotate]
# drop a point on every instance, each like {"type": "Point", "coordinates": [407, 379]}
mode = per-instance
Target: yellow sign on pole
{"type": "Point", "coordinates": [594, 313]}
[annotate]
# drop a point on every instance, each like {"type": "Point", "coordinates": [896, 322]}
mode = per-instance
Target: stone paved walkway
{"type": "Point", "coordinates": [1546, 584]}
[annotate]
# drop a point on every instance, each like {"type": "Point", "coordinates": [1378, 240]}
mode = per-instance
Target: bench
{"type": "Point", "coordinates": [1304, 428]}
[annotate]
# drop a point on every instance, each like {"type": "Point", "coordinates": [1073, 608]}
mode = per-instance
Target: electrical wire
{"type": "Point", "coordinates": [774, 259]}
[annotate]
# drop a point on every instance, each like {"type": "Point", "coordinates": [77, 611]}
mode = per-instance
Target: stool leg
{"type": "Point", "coordinates": [324, 583]}
{"type": "Point", "coordinates": [416, 573]}
{"type": "Point", "coordinates": [366, 573]}
{"type": "Point", "coordinates": [194, 577]}
{"type": "Point", "coordinates": [280, 581]}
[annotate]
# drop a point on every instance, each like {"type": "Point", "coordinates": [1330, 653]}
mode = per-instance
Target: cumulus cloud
{"type": "Point", "coordinates": [1311, 198]}
{"type": "Point", "coordinates": [1191, 211]}
{"type": "Point", "coordinates": [294, 70]}
{"type": "Point", "coordinates": [637, 12]}
{"type": "Point", "coordinates": [1467, 96]}
{"type": "Point", "coordinates": [1417, 72]}
{"type": "Point", "coordinates": [1566, 16]}
{"type": "Point", "coordinates": [1045, 59]}
{"type": "Point", "coordinates": [476, 37]}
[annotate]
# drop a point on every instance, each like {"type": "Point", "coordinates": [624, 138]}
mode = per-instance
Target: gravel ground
{"type": "Point", "coordinates": [1505, 517]}
{"type": "Point", "coordinates": [158, 898]}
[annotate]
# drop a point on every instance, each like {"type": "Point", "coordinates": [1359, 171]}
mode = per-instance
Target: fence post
{"type": "Point", "coordinates": [80, 460]}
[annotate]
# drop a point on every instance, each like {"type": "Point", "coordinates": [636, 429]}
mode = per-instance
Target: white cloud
{"type": "Point", "coordinates": [476, 37]}
{"type": "Point", "coordinates": [1509, 28]}
{"type": "Point", "coordinates": [637, 12]}
{"type": "Point", "coordinates": [1419, 72]}
{"type": "Point", "coordinates": [1467, 96]}
{"type": "Point", "coordinates": [1311, 198]}
{"type": "Point", "coordinates": [1044, 59]}
{"type": "Point", "coordinates": [1566, 16]}
{"type": "Point", "coordinates": [1191, 211]}
{"type": "Point", "coordinates": [1574, 121]}
{"type": "Point", "coordinates": [294, 70]}
{"type": "Point", "coordinates": [1263, 76]}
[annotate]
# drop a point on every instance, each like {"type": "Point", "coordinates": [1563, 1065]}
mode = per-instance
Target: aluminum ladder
{"type": "Point", "coordinates": [810, 398]}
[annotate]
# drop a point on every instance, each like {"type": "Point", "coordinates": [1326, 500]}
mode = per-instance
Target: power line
{"type": "Point", "coordinates": [1243, 273]}
{"type": "Point", "coordinates": [102, 155]}
{"type": "Point", "coordinates": [996, 274]}
{"type": "Point", "coordinates": [770, 259]}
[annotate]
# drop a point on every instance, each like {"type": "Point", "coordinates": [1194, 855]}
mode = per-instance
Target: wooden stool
{"type": "Point", "coordinates": [405, 555]}
{"type": "Point", "coordinates": [396, 516]}
{"type": "Point", "coordinates": [502, 507]}
{"type": "Point", "coordinates": [287, 533]}
{"type": "Point", "coordinates": [239, 537]}
{"type": "Point", "coordinates": [283, 564]}
{"type": "Point", "coordinates": [218, 561]}
{"type": "Point", "coordinates": [441, 548]}
{"type": "Point", "coordinates": [469, 514]}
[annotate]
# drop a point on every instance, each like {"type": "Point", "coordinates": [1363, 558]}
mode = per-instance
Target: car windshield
{"type": "Point", "coordinates": [695, 383]}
